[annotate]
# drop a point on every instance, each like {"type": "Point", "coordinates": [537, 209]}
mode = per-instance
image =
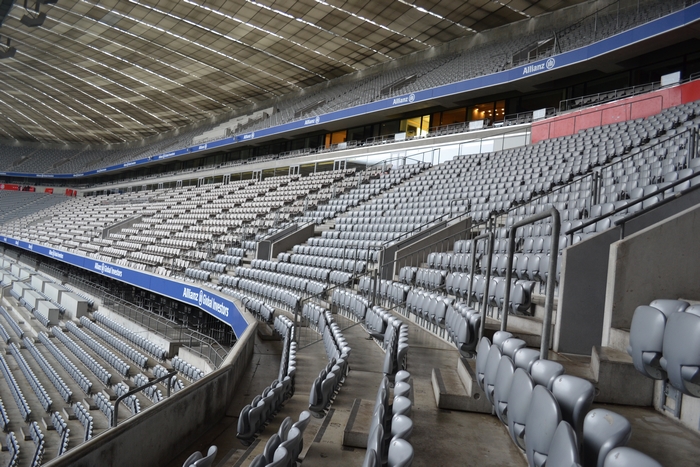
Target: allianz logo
{"type": "Point", "coordinates": [548, 65]}
{"type": "Point", "coordinates": [205, 300]}
{"type": "Point", "coordinates": [404, 100]}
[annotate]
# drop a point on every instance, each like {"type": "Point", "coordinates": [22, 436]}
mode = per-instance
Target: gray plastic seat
{"type": "Point", "coordinates": [681, 351]}
{"type": "Point", "coordinates": [669, 306]}
{"type": "Point", "coordinates": [371, 459]}
{"type": "Point", "coordinates": [402, 389]}
{"type": "Point", "coordinates": [603, 431]}
{"type": "Point", "coordinates": [400, 453]}
{"type": "Point", "coordinates": [504, 380]}
{"type": "Point", "coordinates": [542, 420]}
{"type": "Point", "coordinates": [302, 423]}
{"type": "Point", "coordinates": [544, 372]}
{"type": "Point", "coordinates": [524, 358]}
{"type": "Point", "coordinates": [628, 457]}
{"type": "Point", "coordinates": [208, 460]}
{"type": "Point", "coordinates": [401, 427]}
{"type": "Point", "coordinates": [401, 406]}
{"type": "Point", "coordinates": [647, 338]}
{"type": "Point", "coordinates": [482, 355]}
{"type": "Point", "coordinates": [519, 399]}
{"type": "Point", "coordinates": [563, 451]}
{"type": "Point", "coordinates": [271, 446]}
{"type": "Point", "coordinates": [281, 458]}
{"type": "Point", "coordinates": [259, 461]}
{"type": "Point", "coordinates": [375, 441]}
{"type": "Point", "coordinates": [194, 457]}
{"type": "Point", "coordinates": [243, 423]}
{"type": "Point", "coordinates": [511, 346]}
{"type": "Point", "coordinates": [575, 396]}
{"type": "Point", "coordinates": [492, 362]}
{"type": "Point", "coordinates": [500, 337]}
{"type": "Point", "coordinates": [293, 444]}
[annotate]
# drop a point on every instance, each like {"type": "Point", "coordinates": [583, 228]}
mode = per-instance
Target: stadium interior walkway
{"type": "Point", "coordinates": [440, 437]}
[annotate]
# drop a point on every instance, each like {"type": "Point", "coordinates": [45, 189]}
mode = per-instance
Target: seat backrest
{"type": "Point", "coordinates": [281, 458]}
{"type": "Point", "coordinates": [259, 461]}
{"type": "Point", "coordinates": [271, 446]}
{"type": "Point", "coordinates": [492, 361]}
{"type": "Point", "coordinates": [293, 444]}
{"type": "Point", "coordinates": [542, 420]}
{"type": "Point", "coordinates": [518, 405]}
{"type": "Point", "coordinates": [207, 461]}
{"type": "Point", "coordinates": [564, 450]}
{"type": "Point", "coordinates": [646, 340]}
{"type": "Point", "coordinates": [628, 457]}
{"type": "Point", "coordinates": [544, 372]}
{"type": "Point", "coordinates": [304, 419]}
{"type": "Point", "coordinates": [504, 380]}
{"type": "Point", "coordinates": [371, 459]}
{"type": "Point", "coordinates": [401, 427]}
{"type": "Point", "coordinates": [400, 453]}
{"type": "Point", "coordinates": [285, 426]}
{"type": "Point", "coordinates": [194, 457]}
{"type": "Point", "coordinates": [603, 431]}
{"type": "Point", "coordinates": [669, 306]}
{"type": "Point", "coordinates": [375, 441]}
{"type": "Point", "coordinates": [681, 351]}
{"type": "Point", "coordinates": [500, 337]}
{"type": "Point", "coordinates": [575, 396]}
{"type": "Point", "coordinates": [524, 358]}
{"type": "Point", "coordinates": [481, 358]}
{"type": "Point", "coordinates": [401, 406]}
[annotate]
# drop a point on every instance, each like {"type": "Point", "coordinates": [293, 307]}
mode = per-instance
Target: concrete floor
{"type": "Point", "coordinates": [440, 437]}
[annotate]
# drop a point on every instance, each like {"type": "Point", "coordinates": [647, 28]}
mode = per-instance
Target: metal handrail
{"type": "Point", "coordinates": [490, 237]}
{"type": "Point", "coordinates": [114, 420]}
{"type": "Point", "coordinates": [551, 278]}
{"type": "Point", "coordinates": [595, 174]}
{"type": "Point", "coordinates": [634, 215]}
{"type": "Point", "coordinates": [569, 233]}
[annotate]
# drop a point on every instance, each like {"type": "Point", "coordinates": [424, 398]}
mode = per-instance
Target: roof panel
{"type": "Point", "coordinates": [114, 70]}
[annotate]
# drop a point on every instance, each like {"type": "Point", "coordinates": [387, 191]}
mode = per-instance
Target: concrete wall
{"type": "Point", "coordinates": [295, 238]}
{"type": "Point", "coordinates": [690, 407]}
{"type": "Point", "coordinates": [410, 254]}
{"type": "Point", "coordinates": [194, 359]}
{"type": "Point", "coordinates": [660, 261]}
{"type": "Point", "coordinates": [161, 432]}
{"type": "Point", "coordinates": [583, 281]}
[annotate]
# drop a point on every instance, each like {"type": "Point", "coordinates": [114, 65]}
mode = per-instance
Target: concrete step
{"type": "Point", "coordinates": [619, 339]}
{"type": "Point", "coordinates": [456, 389]}
{"type": "Point", "coordinates": [531, 339]}
{"type": "Point", "coordinates": [357, 429]}
{"type": "Point", "coordinates": [526, 324]}
{"type": "Point", "coordinates": [617, 381]}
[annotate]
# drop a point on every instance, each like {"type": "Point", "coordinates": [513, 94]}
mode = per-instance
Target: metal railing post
{"type": "Point", "coordinates": [488, 235]}
{"type": "Point", "coordinates": [551, 277]}
{"type": "Point", "coordinates": [171, 374]}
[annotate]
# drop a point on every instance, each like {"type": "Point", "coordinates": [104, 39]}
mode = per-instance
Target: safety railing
{"type": "Point", "coordinates": [115, 414]}
{"type": "Point", "coordinates": [551, 276]}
